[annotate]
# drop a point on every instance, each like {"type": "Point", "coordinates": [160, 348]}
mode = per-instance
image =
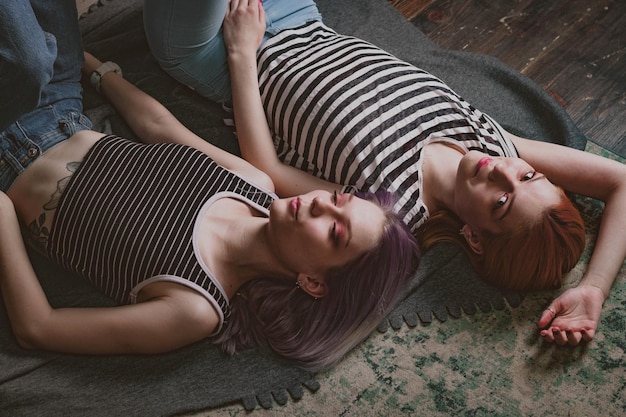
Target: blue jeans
{"type": "Point", "coordinates": [185, 37]}
{"type": "Point", "coordinates": [41, 97]}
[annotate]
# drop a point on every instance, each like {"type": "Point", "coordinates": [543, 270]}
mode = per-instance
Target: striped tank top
{"type": "Point", "coordinates": [128, 216]}
{"type": "Point", "coordinates": [347, 111]}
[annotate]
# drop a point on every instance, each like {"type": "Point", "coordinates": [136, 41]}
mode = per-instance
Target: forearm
{"type": "Point", "coordinates": [610, 246]}
{"type": "Point", "coordinates": [148, 118]}
{"type": "Point", "coordinates": [253, 133]}
{"type": "Point", "coordinates": [25, 301]}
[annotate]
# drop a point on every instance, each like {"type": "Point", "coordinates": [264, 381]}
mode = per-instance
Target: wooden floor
{"type": "Point", "coordinates": [574, 49]}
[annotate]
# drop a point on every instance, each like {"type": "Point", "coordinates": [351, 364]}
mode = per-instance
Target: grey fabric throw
{"type": "Point", "coordinates": [199, 376]}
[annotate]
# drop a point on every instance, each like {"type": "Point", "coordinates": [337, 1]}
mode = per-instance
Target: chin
{"type": "Point", "coordinates": [279, 210]}
{"type": "Point", "coordinates": [467, 165]}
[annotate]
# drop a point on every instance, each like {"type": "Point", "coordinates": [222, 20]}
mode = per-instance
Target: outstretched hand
{"type": "Point", "coordinates": [573, 316]}
{"type": "Point", "coordinates": [244, 25]}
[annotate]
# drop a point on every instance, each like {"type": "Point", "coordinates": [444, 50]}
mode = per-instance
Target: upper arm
{"type": "Point", "coordinates": [167, 129]}
{"type": "Point", "coordinates": [154, 326]}
{"type": "Point", "coordinates": [576, 171]}
{"type": "Point", "coordinates": [290, 181]}
{"type": "Point", "coordinates": [154, 123]}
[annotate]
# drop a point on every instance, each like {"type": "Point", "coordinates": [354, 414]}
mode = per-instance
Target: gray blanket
{"type": "Point", "coordinates": [200, 377]}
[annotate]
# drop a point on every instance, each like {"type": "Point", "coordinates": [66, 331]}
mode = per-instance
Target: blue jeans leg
{"type": "Point", "coordinates": [186, 39]}
{"type": "Point", "coordinates": [27, 56]}
{"type": "Point", "coordinates": [40, 55]}
{"type": "Point", "coordinates": [186, 34]}
{"type": "Point", "coordinates": [40, 60]}
{"type": "Point", "coordinates": [60, 18]}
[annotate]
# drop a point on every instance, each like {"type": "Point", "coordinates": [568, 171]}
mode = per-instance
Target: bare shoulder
{"type": "Point", "coordinates": [254, 175]}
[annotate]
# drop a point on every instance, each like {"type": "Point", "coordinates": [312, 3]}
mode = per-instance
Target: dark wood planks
{"type": "Point", "coordinates": [574, 49]}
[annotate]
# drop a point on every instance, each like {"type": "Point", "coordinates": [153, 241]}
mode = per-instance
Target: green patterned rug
{"type": "Point", "coordinates": [486, 364]}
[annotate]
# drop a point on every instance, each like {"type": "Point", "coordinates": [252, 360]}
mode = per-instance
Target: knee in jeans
{"type": "Point", "coordinates": [24, 81]}
{"type": "Point", "coordinates": [37, 68]}
{"type": "Point", "coordinates": [31, 62]}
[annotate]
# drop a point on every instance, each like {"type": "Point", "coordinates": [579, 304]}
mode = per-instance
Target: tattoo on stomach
{"type": "Point", "coordinates": [39, 229]}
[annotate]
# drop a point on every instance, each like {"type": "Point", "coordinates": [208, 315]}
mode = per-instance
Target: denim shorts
{"type": "Point", "coordinates": [35, 133]}
{"type": "Point", "coordinates": [186, 38]}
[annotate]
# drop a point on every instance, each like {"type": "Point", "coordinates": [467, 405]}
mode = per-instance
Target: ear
{"type": "Point", "coordinates": [315, 286]}
{"type": "Point", "coordinates": [472, 239]}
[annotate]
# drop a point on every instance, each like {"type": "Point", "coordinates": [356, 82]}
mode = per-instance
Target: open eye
{"type": "Point", "coordinates": [502, 201]}
{"type": "Point", "coordinates": [528, 176]}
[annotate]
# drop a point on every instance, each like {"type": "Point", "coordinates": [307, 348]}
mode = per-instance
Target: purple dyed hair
{"type": "Point", "coordinates": [318, 333]}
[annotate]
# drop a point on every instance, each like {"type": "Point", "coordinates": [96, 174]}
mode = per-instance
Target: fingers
{"type": "Point", "coordinates": [232, 6]}
{"type": "Point", "coordinates": [235, 4]}
{"type": "Point", "coordinates": [546, 317]}
{"type": "Point", "coordinates": [588, 334]}
{"type": "Point", "coordinates": [573, 338]}
{"type": "Point", "coordinates": [261, 12]}
{"type": "Point", "coordinates": [554, 335]}
{"type": "Point", "coordinates": [242, 5]}
{"type": "Point", "coordinates": [567, 337]}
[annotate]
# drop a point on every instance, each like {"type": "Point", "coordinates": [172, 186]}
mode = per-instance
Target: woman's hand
{"type": "Point", "coordinates": [573, 316]}
{"type": "Point", "coordinates": [244, 26]}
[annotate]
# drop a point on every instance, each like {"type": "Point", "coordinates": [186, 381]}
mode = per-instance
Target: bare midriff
{"type": "Point", "coordinates": [43, 181]}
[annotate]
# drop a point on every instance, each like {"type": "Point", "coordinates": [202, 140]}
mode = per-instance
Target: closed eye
{"type": "Point", "coordinates": [337, 233]}
{"type": "Point", "coordinates": [333, 230]}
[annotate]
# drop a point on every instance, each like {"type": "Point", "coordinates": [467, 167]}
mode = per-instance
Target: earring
{"type": "Point", "coordinates": [298, 283]}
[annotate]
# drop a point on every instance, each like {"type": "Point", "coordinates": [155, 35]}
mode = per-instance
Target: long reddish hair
{"type": "Point", "coordinates": [531, 257]}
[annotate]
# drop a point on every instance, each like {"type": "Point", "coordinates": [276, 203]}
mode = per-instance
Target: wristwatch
{"type": "Point", "coordinates": [97, 75]}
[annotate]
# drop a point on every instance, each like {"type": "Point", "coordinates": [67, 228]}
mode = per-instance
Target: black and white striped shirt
{"type": "Point", "coordinates": [128, 217]}
{"type": "Point", "coordinates": [345, 110]}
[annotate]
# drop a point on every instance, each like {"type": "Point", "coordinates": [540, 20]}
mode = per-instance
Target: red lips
{"type": "Point", "coordinates": [483, 162]}
{"type": "Point", "coordinates": [295, 206]}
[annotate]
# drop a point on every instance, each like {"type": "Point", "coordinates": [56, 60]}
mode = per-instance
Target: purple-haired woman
{"type": "Point", "coordinates": [178, 236]}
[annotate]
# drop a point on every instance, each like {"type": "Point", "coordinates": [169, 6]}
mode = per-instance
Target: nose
{"type": "Point", "coordinates": [503, 176]}
{"type": "Point", "coordinates": [320, 207]}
